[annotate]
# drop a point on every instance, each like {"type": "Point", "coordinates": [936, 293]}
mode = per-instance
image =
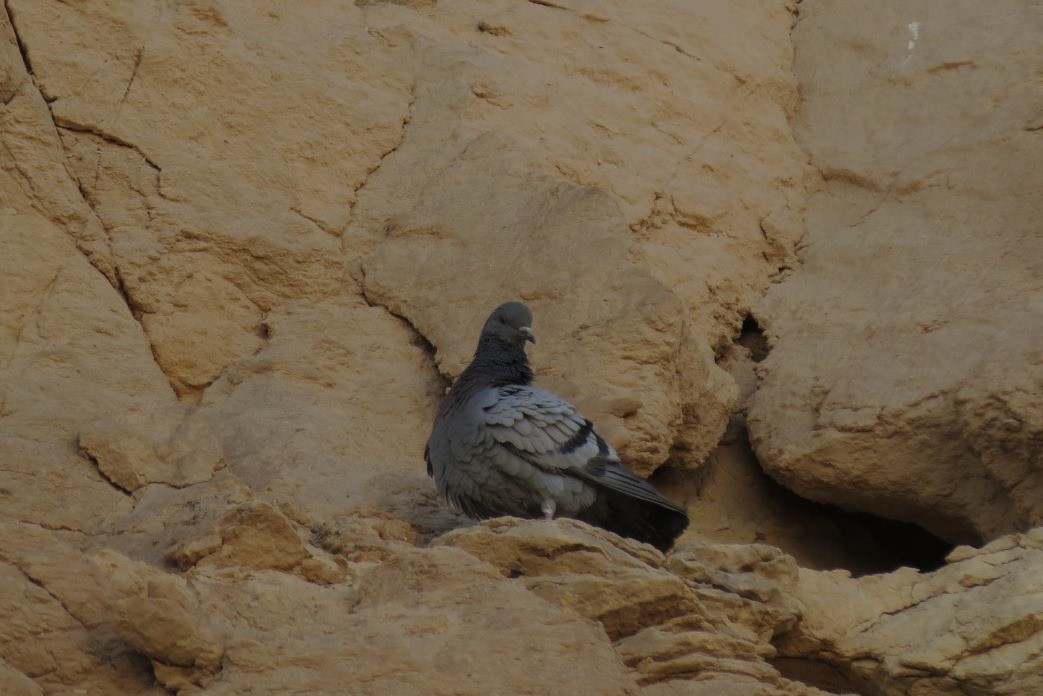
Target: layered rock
{"type": "Point", "coordinates": [699, 621]}
{"type": "Point", "coordinates": [975, 626]}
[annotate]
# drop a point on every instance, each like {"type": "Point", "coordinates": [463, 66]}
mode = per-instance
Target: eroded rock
{"type": "Point", "coordinates": [906, 354]}
{"type": "Point", "coordinates": [171, 445]}
{"type": "Point", "coordinates": [257, 535]}
{"type": "Point", "coordinates": [675, 621]}
{"type": "Point", "coordinates": [974, 624]}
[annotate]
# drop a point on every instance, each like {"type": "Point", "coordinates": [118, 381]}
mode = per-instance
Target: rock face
{"type": "Point", "coordinates": [974, 626]}
{"type": "Point", "coordinates": [698, 622]}
{"type": "Point", "coordinates": [906, 372]}
{"type": "Point", "coordinates": [245, 247]}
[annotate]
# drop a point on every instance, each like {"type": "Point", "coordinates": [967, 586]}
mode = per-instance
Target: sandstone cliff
{"type": "Point", "coordinates": [244, 247]}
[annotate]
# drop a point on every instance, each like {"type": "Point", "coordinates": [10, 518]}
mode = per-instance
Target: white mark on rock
{"type": "Point", "coordinates": [914, 29]}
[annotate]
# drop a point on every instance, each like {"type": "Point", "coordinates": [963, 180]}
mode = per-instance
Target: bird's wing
{"type": "Point", "coordinates": [549, 433]}
{"type": "Point", "coordinates": [544, 429]}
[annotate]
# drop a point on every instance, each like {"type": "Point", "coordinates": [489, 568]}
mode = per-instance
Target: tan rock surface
{"type": "Point", "coordinates": [256, 535]}
{"type": "Point", "coordinates": [697, 621]}
{"type": "Point", "coordinates": [400, 627]}
{"type": "Point", "coordinates": [241, 249]}
{"type": "Point", "coordinates": [70, 352]}
{"type": "Point", "coordinates": [905, 374]}
{"type": "Point", "coordinates": [975, 626]}
{"type": "Point", "coordinates": [671, 109]}
{"type": "Point", "coordinates": [333, 413]}
{"type": "Point", "coordinates": [221, 196]}
{"type": "Point", "coordinates": [172, 445]}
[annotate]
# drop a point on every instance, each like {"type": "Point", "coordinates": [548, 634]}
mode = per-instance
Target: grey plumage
{"type": "Point", "coordinates": [500, 446]}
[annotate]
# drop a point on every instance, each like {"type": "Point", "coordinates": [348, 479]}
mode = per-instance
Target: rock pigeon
{"type": "Point", "coordinates": [500, 446]}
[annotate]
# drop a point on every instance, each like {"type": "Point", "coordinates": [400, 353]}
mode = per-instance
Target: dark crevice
{"type": "Point", "coordinates": [133, 74]}
{"type": "Point", "coordinates": [420, 341]}
{"type": "Point", "coordinates": [908, 544]}
{"type": "Point", "coordinates": [118, 282]}
{"type": "Point", "coordinates": [818, 535]}
{"type": "Point", "coordinates": [417, 339]}
{"type": "Point", "coordinates": [40, 583]}
{"type": "Point", "coordinates": [752, 338]}
{"type": "Point", "coordinates": [819, 674]}
{"type": "Point", "coordinates": [297, 210]}
{"type": "Point", "coordinates": [107, 137]}
{"type": "Point", "coordinates": [406, 120]}
{"type": "Point", "coordinates": [547, 3]}
{"type": "Point", "coordinates": [18, 39]}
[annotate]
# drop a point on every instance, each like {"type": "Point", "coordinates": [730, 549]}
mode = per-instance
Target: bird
{"type": "Point", "coordinates": [501, 446]}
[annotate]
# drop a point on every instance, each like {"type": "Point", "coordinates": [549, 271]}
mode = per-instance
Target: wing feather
{"type": "Point", "coordinates": [545, 429]}
{"type": "Point", "coordinates": [615, 476]}
{"type": "Point", "coordinates": [549, 433]}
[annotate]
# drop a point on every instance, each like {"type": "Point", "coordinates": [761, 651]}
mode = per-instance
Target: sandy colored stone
{"type": "Point", "coordinates": [34, 157]}
{"type": "Point", "coordinates": [243, 247]}
{"type": "Point", "coordinates": [974, 624]}
{"type": "Point", "coordinates": [219, 214]}
{"type": "Point", "coordinates": [705, 613]}
{"type": "Point", "coordinates": [761, 574]}
{"type": "Point", "coordinates": [58, 609]}
{"type": "Point", "coordinates": [630, 146]}
{"type": "Point", "coordinates": [649, 104]}
{"type": "Point", "coordinates": [584, 569]}
{"type": "Point", "coordinates": [70, 352]}
{"type": "Point", "coordinates": [365, 534]}
{"type": "Point", "coordinates": [905, 370]}
{"type": "Point", "coordinates": [165, 517]}
{"type": "Point", "coordinates": [333, 414]}
{"type": "Point", "coordinates": [427, 621]}
{"type": "Point", "coordinates": [171, 445]}
{"type": "Point", "coordinates": [162, 629]}
{"type": "Point", "coordinates": [16, 683]}
{"type": "Point", "coordinates": [257, 535]}
{"type": "Point", "coordinates": [397, 628]}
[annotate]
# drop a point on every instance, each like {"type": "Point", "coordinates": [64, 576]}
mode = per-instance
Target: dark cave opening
{"type": "Point", "coordinates": [752, 337]}
{"type": "Point", "coordinates": [819, 674]}
{"type": "Point", "coordinates": [732, 500]}
{"type": "Point", "coordinates": [909, 545]}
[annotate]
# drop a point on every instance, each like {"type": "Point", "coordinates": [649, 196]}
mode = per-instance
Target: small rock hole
{"type": "Point", "coordinates": [752, 338]}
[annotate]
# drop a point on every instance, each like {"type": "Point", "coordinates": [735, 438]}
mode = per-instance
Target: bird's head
{"type": "Point", "coordinates": [511, 323]}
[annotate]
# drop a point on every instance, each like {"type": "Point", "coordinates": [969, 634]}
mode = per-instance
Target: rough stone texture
{"type": "Point", "coordinates": [256, 535]}
{"type": "Point", "coordinates": [975, 626]}
{"type": "Point", "coordinates": [165, 445]}
{"type": "Point", "coordinates": [243, 248]}
{"type": "Point", "coordinates": [70, 350]}
{"type": "Point", "coordinates": [906, 373]}
{"type": "Point", "coordinates": [236, 204]}
{"type": "Point", "coordinates": [332, 414]}
{"type": "Point", "coordinates": [697, 621]}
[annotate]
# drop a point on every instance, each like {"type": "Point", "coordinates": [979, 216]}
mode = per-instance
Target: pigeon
{"type": "Point", "coordinates": [500, 446]}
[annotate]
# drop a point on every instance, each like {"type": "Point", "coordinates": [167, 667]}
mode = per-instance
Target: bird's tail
{"type": "Point", "coordinates": [638, 519]}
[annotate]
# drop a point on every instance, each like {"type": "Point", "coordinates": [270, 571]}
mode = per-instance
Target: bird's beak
{"type": "Point", "coordinates": [527, 333]}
